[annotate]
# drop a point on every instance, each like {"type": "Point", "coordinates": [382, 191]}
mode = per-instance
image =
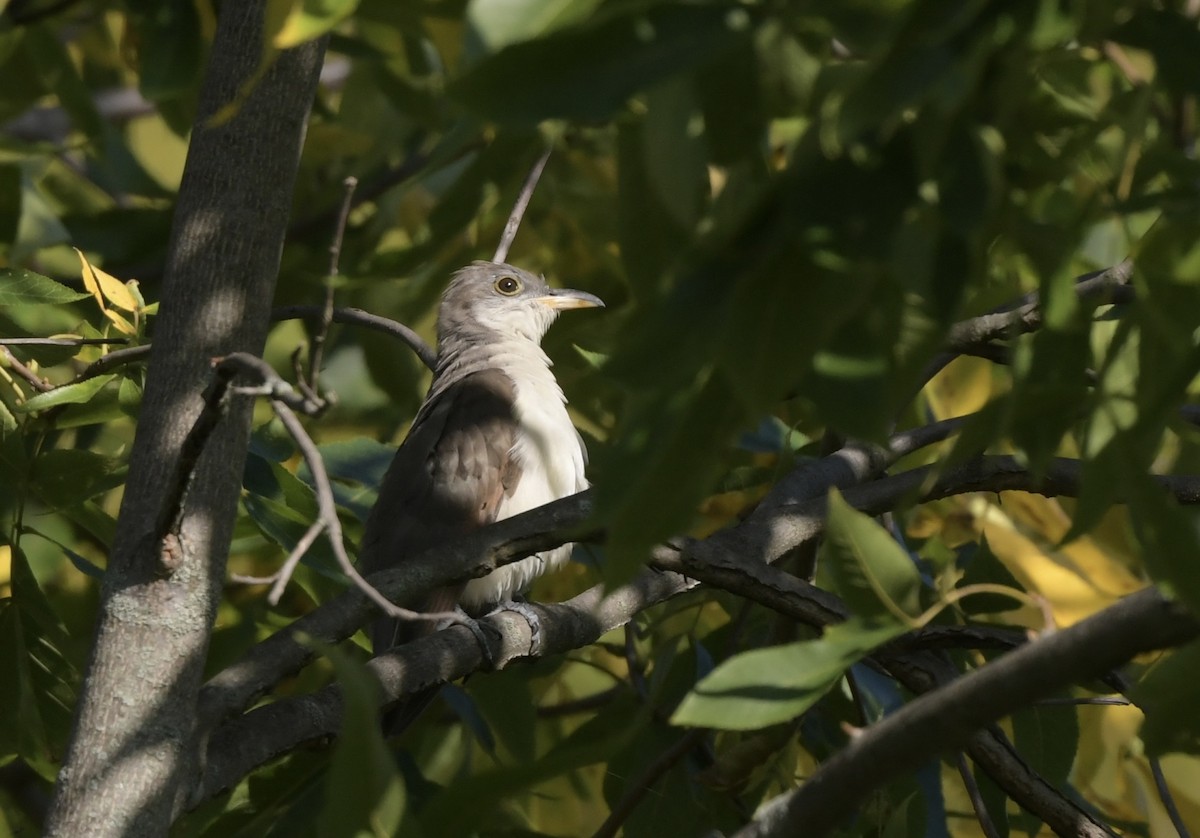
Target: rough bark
{"type": "Point", "coordinates": [132, 749]}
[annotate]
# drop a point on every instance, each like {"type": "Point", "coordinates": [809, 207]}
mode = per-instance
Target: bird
{"type": "Point", "coordinates": [492, 439]}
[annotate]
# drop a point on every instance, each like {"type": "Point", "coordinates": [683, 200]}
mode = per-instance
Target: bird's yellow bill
{"type": "Point", "coordinates": [566, 298]}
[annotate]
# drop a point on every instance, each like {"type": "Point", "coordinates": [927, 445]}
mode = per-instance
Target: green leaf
{"type": "Point", "coordinates": [62, 477]}
{"type": "Point", "coordinates": [1173, 40]}
{"type": "Point", "coordinates": [21, 728]}
{"type": "Point", "coordinates": [364, 791]}
{"type": "Point", "coordinates": [285, 526]}
{"type": "Point", "coordinates": [770, 686]}
{"type": "Point", "coordinates": [644, 497]}
{"type": "Point", "coordinates": [299, 21]}
{"type": "Point", "coordinates": [469, 805]}
{"type": "Point", "coordinates": [984, 568]}
{"type": "Point", "coordinates": [675, 155]}
{"type": "Point", "coordinates": [588, 73]}
{"type": "Point", "coordinates": [1170, 542]}
{"type": "Point", "coordinates": [77, 393]}
{"type": "Point", "coordinates": [21, 287]}
{"type": "Point", "coordinates": [1169, 694]}
{"type": "Point", "coordinates": [871, 572]}
{"type": "Point", "coordinates": [170, 48]}
{"type": "Point", "coordinates": [499, 23]}
{"type": "Point", "coordinates": [1047, 738]}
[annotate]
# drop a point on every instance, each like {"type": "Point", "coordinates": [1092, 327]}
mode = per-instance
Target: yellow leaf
{"type": "Point", "coordinates": [1111, 772]}
{"type": "Point", "coordinates": [103, 283]}
{"type": "Point", "coordinates": [1070, 595]}
{"type": "Point", "coordinates": [964, 386]}
{"type": "Point", "coordinates": [1107, 572]}
{"type": "Point", "coordinates": [89, 279]}
{"type": "Point", "coordinates": [123, 325]}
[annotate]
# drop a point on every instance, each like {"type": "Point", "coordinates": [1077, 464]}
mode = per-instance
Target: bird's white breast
{"type": "Point", "coordinates": [551, 458]}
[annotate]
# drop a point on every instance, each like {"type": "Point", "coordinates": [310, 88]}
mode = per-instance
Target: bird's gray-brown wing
{"type": "Point", "coordinates": [447, 478]}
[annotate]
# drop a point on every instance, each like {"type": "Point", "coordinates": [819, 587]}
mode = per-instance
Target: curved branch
{"type": "Point", "coordinates": [266, 663]}
{"type": "Point", "coordinates": [241, 745]}
{"type": "Point", "coordinates": [947, 718]}
{"type": "Point", "coordinates": [358, 317]}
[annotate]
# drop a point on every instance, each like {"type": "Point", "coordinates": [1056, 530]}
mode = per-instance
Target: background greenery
{"type": "Point", "coordinates": [786, 206]}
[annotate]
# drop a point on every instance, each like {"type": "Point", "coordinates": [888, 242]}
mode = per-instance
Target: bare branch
{"type": "Point", "coordinates": [248, 741]}
{"type": "Point", "coordinates": [948, 717]}
{"type": "Point", "coordinates": [518, 210]}
{"type": "Point", "coordinates": [60, 341]}
{"type": "Point", "coordinates": [640, 786]}
{"type": "Point", "coordinates": [114, 359]}
{"type": "Point", "coordinates": [972, 787]}
{"type": "Point", "coordinates": [503, 542]}
{"type": "Point", "coordinates": [31, 378]}
{"type": "Point", "coordinates": [1027, 316]}
{"type": "Point", "coordinates": [317, 349]}
{"type": "Point", "coordinates": [358, 317]}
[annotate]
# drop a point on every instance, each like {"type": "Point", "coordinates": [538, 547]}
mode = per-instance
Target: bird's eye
{"type": "Point", "coordinates": [509, 286]}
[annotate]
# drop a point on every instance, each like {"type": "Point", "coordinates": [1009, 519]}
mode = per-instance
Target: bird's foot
{"type": "Point", "coordinates": [476, 628]}
{"type": "Point", "coordinates": [531, 616]}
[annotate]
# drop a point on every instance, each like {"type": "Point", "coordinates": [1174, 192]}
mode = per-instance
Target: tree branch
{"type": "Point", "coordinates": [358, 317]}
{"type": "Point", "coordinates": [239, 746]}
{"type": "Point", "coordinates": [731, 560]}
{"type": "Point", "coordinates": [948, 718]}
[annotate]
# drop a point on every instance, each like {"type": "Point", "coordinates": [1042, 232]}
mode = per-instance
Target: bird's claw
{"type": "Point", "coordinates": [531, 616]}
{"type": "Point", "coordinates": [476, 628]}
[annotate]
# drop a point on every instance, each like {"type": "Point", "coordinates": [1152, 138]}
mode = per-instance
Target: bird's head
{"type": "Point", "coordinates": [487, 299]}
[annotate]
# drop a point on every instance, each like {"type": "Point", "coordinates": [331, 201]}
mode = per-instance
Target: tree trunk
{"type": "Point", "coordinates": [132, 751]}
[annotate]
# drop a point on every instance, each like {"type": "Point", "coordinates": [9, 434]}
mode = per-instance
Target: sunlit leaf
{"type": "Point", "coordinates": [874, 575]}
{"type": "Point", "coordinates": [22, 287]}
{"type": "Point", "coordinates": [590, 72]}
{"type": "Point", "coordinates": [769, 686]}
{"type": "Point", "coordinates": [77, 393]}
{"type": "Point", "coordinates": [104, 286]}
{"type": "Point", "coordinates": [306, 20]}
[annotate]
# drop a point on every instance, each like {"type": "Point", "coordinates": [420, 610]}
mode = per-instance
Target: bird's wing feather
{"type": "Point", "coordinates": [447, 478]}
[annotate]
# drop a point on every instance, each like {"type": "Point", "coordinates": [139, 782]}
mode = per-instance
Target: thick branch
{"type": "Point", "coordinates": [510, 540]}
{"type": "Point", "coordinates": [732, 560]}
{"type": "Point", "coordinates": [243, 744]}
{"type": "Point", "coordinates": [946, 719]}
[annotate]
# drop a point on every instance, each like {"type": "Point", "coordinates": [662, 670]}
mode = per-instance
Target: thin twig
{"type": "Point", "coordinates": [518, 210]}
{"type": "Point", "coordinates": [60, 341]}
{"type": "Point", "coordinates": [114, 359]}
{"type": "Point", "coordinates": [358, 317]}
{"type": "Point", "coordinates": [317, 348]}
{"type": "Point", "coordinates": [1164, 794]}
{"type": "Point", "coordinates": [32, 378]}
{"type": "Point", "coordinates": [642, 785]}
{"type": "Point", "coordinates": [972, 787]}
{"type": "Point", "coordinates": [1075, 702]}
{"type": "Point", "coordinates": [283, 399]}
{"type": "Point", "coordinates": [289, 565]}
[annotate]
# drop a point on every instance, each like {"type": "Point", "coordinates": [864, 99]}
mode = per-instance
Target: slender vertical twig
{"type": "Point", "coordinates": [518, 210]}
{"type": "Point", "coordinates": [317, 352]}
{"type": "Point", "coordinates": [1164, 794]}
{"type": "Point", "coordinates": [981, 812]}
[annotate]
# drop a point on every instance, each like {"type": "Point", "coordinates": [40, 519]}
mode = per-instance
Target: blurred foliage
{"type": "Point", "coordinates": [785, 206]}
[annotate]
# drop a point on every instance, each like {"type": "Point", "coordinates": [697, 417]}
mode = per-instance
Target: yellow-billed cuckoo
{"type": "Point", "coordinates": [491, 440]}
